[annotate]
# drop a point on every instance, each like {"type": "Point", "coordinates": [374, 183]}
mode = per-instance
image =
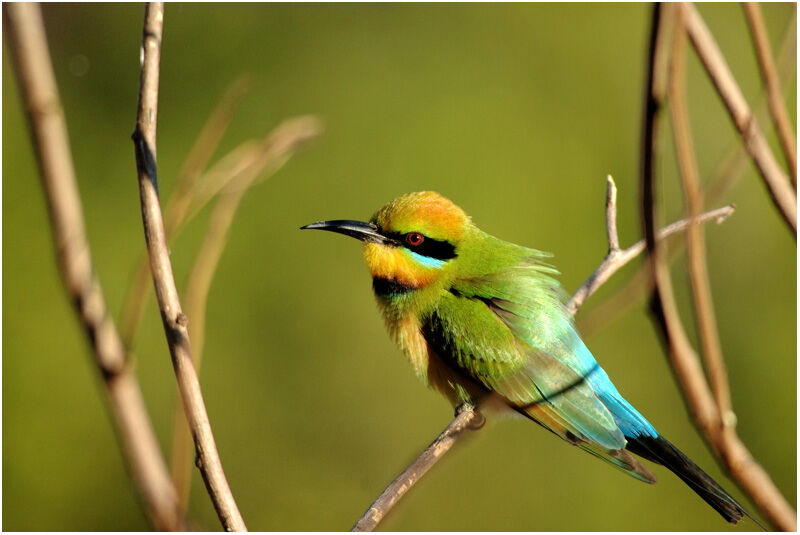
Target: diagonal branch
{"type": "Point", "coordinates": [684, 360]}
{"type": "Point", "coordinates": [693, 192]}
{"type": "Point", "coordinates": [726, 175]}
{"type": "Point", "coordinates": [617, 258]}
{"type": "Point", "coordinates": [469, 418]}
{"type": "Point", "coordinates": [402, 484]}
{"type": "Point", "coordinates": [139, 445]}
{"type": "Point", "coordinates": [778, 184]}
{"type": "Point", "coordinates": [144, 138]}
{"type": "Point", "coordinates": [769, 73]}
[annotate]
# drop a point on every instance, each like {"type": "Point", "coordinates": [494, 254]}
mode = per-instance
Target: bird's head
{"type": "Point", "coordinates": [411, 242]}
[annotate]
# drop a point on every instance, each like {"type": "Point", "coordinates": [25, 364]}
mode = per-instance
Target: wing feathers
{"type": "Point", "coordinates": [510, 331]}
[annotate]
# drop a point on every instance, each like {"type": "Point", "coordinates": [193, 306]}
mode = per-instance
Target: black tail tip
{"type": "Point", "coordinates": [661, 451]}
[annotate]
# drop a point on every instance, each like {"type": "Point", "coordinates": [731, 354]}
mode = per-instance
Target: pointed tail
{"type": "Point", "coordinates": [661, 451]}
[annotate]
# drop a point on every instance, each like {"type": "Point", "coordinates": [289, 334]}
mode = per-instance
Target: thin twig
{"type": "Point", "coordinates": [275, 150]}
{"type": "Point", "coordinates": [144, 138]}
{"type": "Point", "coordinates": [611, 216]}
{"type": "Point", "coordinates": [615, 259]}
{"type": "Point", "coordinates": [778, 184]}
{"type": "Point", "coordinates": [689, 371]}
{"type": "Point", "coordinates": [727, 174]}
{"type": "Point", "coordinates": [684, 360]}
{"type": "Point", "coordinates": [403, 483]}
{"type": "Point", "coordinates": [696, 248]}
{"type": "Point", "coordinates": [777, 106]}
{"type": "Point", "coordinates": [139, 445]}
{"type": "Point", "coordinates": [178, 202]}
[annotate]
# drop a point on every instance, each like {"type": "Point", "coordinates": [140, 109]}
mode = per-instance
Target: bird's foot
{"type": "Point", "coordinates": [478, 419]}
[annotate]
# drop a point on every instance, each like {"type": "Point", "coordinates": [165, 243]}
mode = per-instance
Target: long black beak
{"type": "Point", "coordinates": [360, 230]}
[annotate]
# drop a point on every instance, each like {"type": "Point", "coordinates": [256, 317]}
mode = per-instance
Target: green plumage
{"type": "Point", "coordinates": [482, 320]}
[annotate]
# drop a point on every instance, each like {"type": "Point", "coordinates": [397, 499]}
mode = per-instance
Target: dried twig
{"type": "Point", "coordinates": [403, 483]}
{"type": "Point", "coordinates": [179, 201]}
{"type": "Point", "coordinates": [777, 182]}
{"type": "Point", "coordinates": [144, 138]}
{"type": "Point", "coordinates": [769, 73]}
{"type": "Point", "coordinates": [728, 172]}
{"type": "Point", "coordinates": [46, 119]}
{"type": "Point", "coordinates": [615, 259]}
{"type": "Point", "coordinates": [269, 156]}
{"type": "Point", "coordinates": [685, 362]}
{"type": "Point", "coordinates": [693, 192]}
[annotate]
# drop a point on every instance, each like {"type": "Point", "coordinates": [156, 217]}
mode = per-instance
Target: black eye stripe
{"type": "Point", "coordinates": [438, 249]}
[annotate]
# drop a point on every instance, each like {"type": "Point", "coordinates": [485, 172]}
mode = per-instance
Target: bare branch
{"type": "Point", "coordinates": [204, 146]}
{"type": "Point", "coordinates": [728, 172]}
{"type": "Point", "coordinates": [769, 73]}
{"type": "Point", "coordinates": [46, 119]}
{"type": "Point", "coordinates": [685, 362]}
{"type": "Point", "coordinates": [777, 182]}
{"type": "Point", "coordinates": [403, 483]}
{"type": "Point", "coordinates": [614, 260]}
{"type": "Point", "coordinates": [612, 263]}
{"type": "Point", "coordinates": [144, 138]}
{"type": "Point", "coordinates": [276, 149]}
{"type": "Point", "coordinates": [693, 192]}
{"type": "Point", "coordinates": [611, 216]}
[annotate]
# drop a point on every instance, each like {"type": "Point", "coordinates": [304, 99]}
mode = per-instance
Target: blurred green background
{"type": "Point", "coordinates": [517, 113]}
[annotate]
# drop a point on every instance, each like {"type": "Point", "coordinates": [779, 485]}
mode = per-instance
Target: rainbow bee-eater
{"type": "Point", "coordinates": [483, 320]}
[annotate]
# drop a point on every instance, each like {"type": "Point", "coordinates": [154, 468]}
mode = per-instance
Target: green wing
{"type": "Point", "coordinates": [501, 331]}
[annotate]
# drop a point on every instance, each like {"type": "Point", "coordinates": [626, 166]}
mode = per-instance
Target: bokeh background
{"type": "Point", "coordinates": [517, 113]}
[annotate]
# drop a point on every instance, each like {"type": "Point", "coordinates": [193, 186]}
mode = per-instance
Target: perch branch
{"type": "Point", "coordinates": [280, 145]}
{"type": "Point", "coordinates": [403, 483]}
{"type": "Point", "coordinates": [144, 138]}
{"type": "Point", "coordinates": [769, 73]}
{"type": "Point", "coordinates": [615, 259]}
{"type": "Point", "coordinates": [698, 396]}
{"type": "Point", "coordinates": [48, 127]}
{"type": "Point", "coordinates": [778, 184]}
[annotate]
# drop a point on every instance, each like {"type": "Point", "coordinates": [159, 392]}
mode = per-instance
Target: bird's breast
{"type": "Point", "coordinates": [406, 333]}
{"type": "Point", "coordinates": [428, 366]}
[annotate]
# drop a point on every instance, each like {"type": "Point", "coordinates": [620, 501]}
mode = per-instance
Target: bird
{"type": "Point", "coordinates": [483, 321]}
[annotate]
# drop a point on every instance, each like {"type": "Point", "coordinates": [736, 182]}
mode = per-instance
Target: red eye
{"type": "Point", "coordinates": [414, 238]}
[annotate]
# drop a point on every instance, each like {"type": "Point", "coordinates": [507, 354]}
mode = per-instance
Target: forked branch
{"type": "Point", "coordinates": [469, 418]}
{"type": "Point", "coordinates": [727, 174]}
